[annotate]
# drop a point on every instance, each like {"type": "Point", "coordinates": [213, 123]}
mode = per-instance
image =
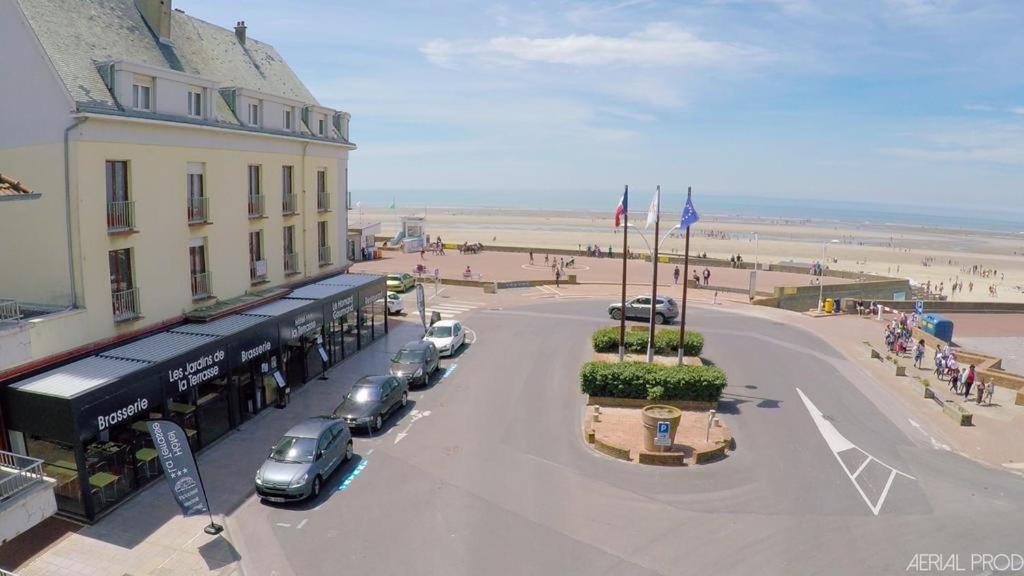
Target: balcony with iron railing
{"type": "Point", "coordinates": [323, 201]}
{"type": "Point", "coordinates": [198, 210]}
{"type": "Point", "coordinates": [18, 474]}
{"type": "Point", "coordinates": [121, 216]}
{"type": "Point", "coordinates": [9, 310]}
{"type": "Point", "coordinates": [291, 263]}
{"type": "Point", "coordinates": [257, 271]}
{"type": "Point", "coordinates": [257, 205]}
{"type": "Point", "coordinates": [325, 255]}
{"type": "Point", "coordinates": [201, 282]}
{"type": "Point", "coordinates": [126, 305]}
{"type": "Point", "coordinates": [290, 204]}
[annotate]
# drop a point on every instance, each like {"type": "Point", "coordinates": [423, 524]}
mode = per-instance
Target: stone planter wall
{"type": "Point", "coordinates": [639, 403]}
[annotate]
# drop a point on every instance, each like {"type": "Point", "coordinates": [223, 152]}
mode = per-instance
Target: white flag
{"type": "Point", "coordinates": [654, 211]}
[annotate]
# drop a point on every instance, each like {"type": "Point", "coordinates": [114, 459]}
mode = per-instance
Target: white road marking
{"type": "Point", "coordinates": [415, 415]}
{"type": "Point", "coordinates": [370, 451]}
{"type": "Point", "coordinates": [301, 524]}
{"type": "Point", "coordinates": [284, 524]}
{"type": "Point", "coordinates": [838, 443]}
{"type": "Point", "coordinates": [473, 332]}
{"type": "Point", "coordinates": [935, 443]}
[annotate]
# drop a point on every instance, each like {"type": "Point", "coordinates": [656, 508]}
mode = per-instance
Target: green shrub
{"type": "Point", "coordinates": [666, 341]}
{"type": "Point", "coordinates": [652, 381]}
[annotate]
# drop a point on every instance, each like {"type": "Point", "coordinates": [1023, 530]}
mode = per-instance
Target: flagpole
{"type": "Point", "coordinates": [654, 279]}
{"type": "Point", "coordinates": [686, 280]}
{"type": "Point", "coordinates": [622, 309]}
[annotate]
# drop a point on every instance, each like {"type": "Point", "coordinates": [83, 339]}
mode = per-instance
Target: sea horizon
{"type": "Point", "coordinates": [711, 205]}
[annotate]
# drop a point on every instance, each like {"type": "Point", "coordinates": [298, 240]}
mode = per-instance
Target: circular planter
{"type": "Point", "coordinates": [651, 415]}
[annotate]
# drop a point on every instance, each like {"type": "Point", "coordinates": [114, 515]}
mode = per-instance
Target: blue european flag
{"type": "Point", "coordinates": [690, 215]}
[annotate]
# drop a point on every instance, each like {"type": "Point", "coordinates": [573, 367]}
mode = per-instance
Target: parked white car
{"type": "Point", "coordinates": [447, 335]}
{"type": "Point", "coordinates": [395, 305]}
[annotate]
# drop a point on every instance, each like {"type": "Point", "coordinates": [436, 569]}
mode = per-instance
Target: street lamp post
{"type": "Point", "coordinates": [821, 272]}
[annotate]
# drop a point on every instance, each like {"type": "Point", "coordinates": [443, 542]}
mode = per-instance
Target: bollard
{"type": "Point", "coordinates": [711, 418]}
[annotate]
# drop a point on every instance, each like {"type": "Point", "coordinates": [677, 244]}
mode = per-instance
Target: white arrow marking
{"type": "Point", "coordinates": [416, 415]}
{"type": "Point", "coordinates": [838, 443]}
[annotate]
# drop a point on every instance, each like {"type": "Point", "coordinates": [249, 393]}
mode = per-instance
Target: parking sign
{"type": "Point", "coordinates": [662, 437]}
{"type": "Point", "coordinates": [919, 307]}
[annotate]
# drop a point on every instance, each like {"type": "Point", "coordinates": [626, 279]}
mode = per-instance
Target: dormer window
{"type": "Point", "coordinates": [320, 127]}
{"type": "Point", "coordinates": [195, 103]}
{"type": "Point", "coordinates": [288, 120]}
{"type": "Point", "coordinates": [141, 97]}
{"type": "Point", "coordinates": [254, 114]}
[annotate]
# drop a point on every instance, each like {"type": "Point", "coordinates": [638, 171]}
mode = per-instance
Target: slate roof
{"type": "Point", "coordinates": [78, 35]}
{"type": "Point", "coordinates": [11, 189]}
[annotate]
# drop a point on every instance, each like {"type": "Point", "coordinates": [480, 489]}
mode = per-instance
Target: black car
{"type": "Point", "coordinates": [371, 400]}
{"type": "Point", "coordinates": [416, 362]}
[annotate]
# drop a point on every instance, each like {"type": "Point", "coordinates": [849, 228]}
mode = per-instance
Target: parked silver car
{"type": "Point", "coordinates": [639, 308]}
{"type": "Point", "coordinates": [303, 458]}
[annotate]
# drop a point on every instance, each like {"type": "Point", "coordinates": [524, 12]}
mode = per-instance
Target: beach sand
{"type": "Point", "coordinates": [918, 253]}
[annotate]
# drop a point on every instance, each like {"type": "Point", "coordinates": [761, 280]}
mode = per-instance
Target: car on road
{"type": "Point", "coordinates": [416, 362]}
{"type": "Point", "coordinates": [395, 305]}
{"type": "Point", "coordinates": [303, 458]}
{"type": "Point", "coordinates": [639, 308]}
{"type": "Point", "coordinates": [447, 335]}
{"type": "Point", "coordinates": [371, 400]}
{"type": "Point", "coordinates": [402, 282]}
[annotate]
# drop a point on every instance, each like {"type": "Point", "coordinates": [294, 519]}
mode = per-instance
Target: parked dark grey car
{"type": "Point", "coordinates": [371, 400]}
{"type": "Point", "coordinates": [640, 308]}
{"type": "Point", "coordinates": [303, 458]}
{"type": "Point", "coordinates": [416, 362]}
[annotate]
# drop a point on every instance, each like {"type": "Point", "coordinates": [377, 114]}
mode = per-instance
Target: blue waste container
{"type": "Point", "coordinates": [937, 325]}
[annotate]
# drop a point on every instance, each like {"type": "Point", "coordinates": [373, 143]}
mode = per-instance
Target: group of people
{"type": "Point", "coordinates": [961, 380]}
{"type": "Point", "coordinates": [696, 276]}
{"type": "Point", "coordinates": [594, 251]}
{"type": "Point", "coordinates": [899, 339]}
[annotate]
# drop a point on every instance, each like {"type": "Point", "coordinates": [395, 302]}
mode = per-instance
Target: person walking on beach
{"type": "Point", "coordinates": [968, 382]}
{"type": "Point", "coordinates": [675, 275]}
{"type": "Point", "coordinates": [531, 256]}
{"type": "Point", "coordinates": [545, 259]}
{"type": "Point", "coordinates": [707, 276]}
{"type": "Point", "coordinates": [982, 388]}
{"type": "Point", "coordinates": [558, 278]}
{"type": "Point", "coordinates": [919, 353]}
{"type": "Point", "coordinates": [423, 251]}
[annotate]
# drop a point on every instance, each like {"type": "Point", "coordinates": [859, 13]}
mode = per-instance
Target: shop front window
{"type": "Point", "coordinates": [365, 325]}
{"type": "Point", "coordinates": [379, 317]}
{"type": "Point", "coordinates": [350, 338]}
{"type": "Point", "coordinates": [59, 464]}
{"type": "Point", "coordinates": [213, 413]}
{"type": "Point", "coordinates": [182, 409]}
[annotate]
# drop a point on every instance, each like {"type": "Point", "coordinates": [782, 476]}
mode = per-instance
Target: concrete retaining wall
{"type": "Point", "coordinates": [640, 403]}
{"type": "Point", "coordinates": [611, 450]}
{"type": "Point", "coordinates": [987, 368]}
{"type": "Point", "coordinates": [803, 298]}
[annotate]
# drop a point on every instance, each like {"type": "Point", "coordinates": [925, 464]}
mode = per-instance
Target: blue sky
{"type": "Point", "coordinates": [880, 100]}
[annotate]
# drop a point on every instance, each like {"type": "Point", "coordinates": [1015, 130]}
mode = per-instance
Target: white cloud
{"type": "Point", "coordinates": [1017, 110]}
{"type": "Point", "coordinates": [657, 45]}
{"type": "Point", "coordinates": [978, 108]}
{"type": "Point", "coordinates": [988, 142]}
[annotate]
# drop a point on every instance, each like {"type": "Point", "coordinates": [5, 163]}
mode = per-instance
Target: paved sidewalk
{"type": "Point", "coordinates": [147, 534]}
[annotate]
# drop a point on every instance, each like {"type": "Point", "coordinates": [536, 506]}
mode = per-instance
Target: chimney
{"type": "Point", "coordinates": [240, 32]}
{"type": "Point", "coordinates": [157, 15]}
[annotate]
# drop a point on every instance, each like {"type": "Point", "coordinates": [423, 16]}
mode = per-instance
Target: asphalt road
{"type": "Point", "coordinates": [487, 473]}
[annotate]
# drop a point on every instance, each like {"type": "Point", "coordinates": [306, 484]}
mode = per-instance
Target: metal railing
{"type": "Point", "coordinates": [201, 285]}
{"type": "Point", "coordinates": [20, 473]}
{"type": "Point", "coordinates": [289, 204]}
{"type": "Point", "coordinates": [291, 263]}
{"type": "Point", "coordinates": [6, 573]}
{"type": "Point", "coordinates": [9, 311]}
{"type": "Point", "coordinates": [198, 210]}
{"type": "Point", "coordinates": [256, 205]}
{"type": "Point", "coordinates": [323, 201]}
{"type": "Point", "coordinates": [257, 270]}
{"type": "Point", "coordinates": [125, 305]}
{"type": "Point", "coordinates": [325, 255]}
{"type": "Point", "coordinates": [120, 216]}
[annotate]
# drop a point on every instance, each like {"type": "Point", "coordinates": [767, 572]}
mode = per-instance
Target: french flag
{"type": "Point", "coordinates": [621, 209]}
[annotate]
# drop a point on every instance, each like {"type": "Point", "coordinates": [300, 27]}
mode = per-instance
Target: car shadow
{"type": "Point", "coordinates": [328, 487]}
{"type": "Point", "coordinates": [462, 350]}
{"type": "Point", "coordinates": [390, 422]}
{"type": "Point", "coordinates": [432, 381]}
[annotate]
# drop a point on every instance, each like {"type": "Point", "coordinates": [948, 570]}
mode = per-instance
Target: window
{"type": "Point", "coordinates": [197, 266]}
{"type": "Point", "coordinates": [195, 103]}
{"type": "Point", "coordinates": [323, 247]}
{"type": "Point", "coordinates": [320, 127]}
{"type": "Point", "coordinates": [289, 240]}
{"type": "Point", "coordinates": [117, 181]}
{"type": "Point", "coordinates": [121, 270]}
{"type": "Point", "coordinates": [254, 114]}
{"type": "Point", "coordinates": [288, 202]}
{"type": "Point", "coordinates": [322, 198]}
{"type": "Point", "coordinates": [196, 193]}
{"type": "Point", "coordinates": [321, 233]}
{"type": "Point", "coordinates": [254, 180]}
{"type": "Point", "coordinates": [141, 97]}
{"type": "Point", "coordinates": [257, 265]}
{"type": "Point", "coordinates": [287, 119]}
{"type": "Point", "coordinates": [255, 192]}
